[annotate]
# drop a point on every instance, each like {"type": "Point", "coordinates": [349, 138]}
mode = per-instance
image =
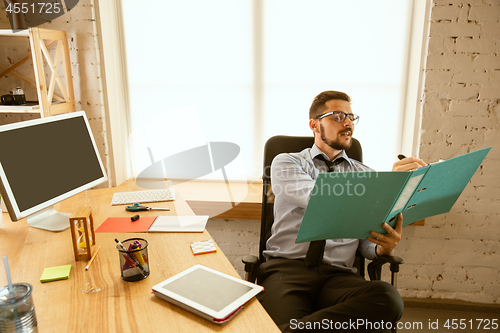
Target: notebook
{"type": "Point", "coordinates": [179, 224]}
{"type": "Point", "coordinates": [125, 224]}
{"type": "Point", "coordinates": [155, 224]}
{"type": "Point", "coordinates": [213, 295]}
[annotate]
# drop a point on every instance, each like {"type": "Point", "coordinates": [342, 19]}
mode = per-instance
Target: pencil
{"type": "Point", "coordinates": [93, 257]}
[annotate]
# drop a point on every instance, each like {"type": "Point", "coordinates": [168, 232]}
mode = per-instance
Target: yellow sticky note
{"type": "Point", "coordinates": [55, 273]}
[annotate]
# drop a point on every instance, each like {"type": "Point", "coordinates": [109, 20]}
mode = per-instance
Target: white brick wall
{"type": "Point", "coordinates": [457, 255]}
{"type": "Point", "coordinates": [236, 238]}
{"type": "Point", "coordinates": [84, 55]}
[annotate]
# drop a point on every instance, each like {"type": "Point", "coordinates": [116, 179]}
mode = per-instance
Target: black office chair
{"type": "Point", "coordinates": [288, 144]}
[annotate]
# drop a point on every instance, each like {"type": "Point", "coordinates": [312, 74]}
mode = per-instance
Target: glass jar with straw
{"type": "Point", "coordinates": [17, 311]}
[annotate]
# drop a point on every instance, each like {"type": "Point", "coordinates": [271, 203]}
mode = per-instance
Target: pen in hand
{"type": "Point", "coordinates": [423, 164]}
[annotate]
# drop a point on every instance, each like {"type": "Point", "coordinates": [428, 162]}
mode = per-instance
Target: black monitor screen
{"type": "Point", "coordinates": [49, 159]}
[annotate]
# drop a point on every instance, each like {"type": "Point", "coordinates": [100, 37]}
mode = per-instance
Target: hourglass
{"type": "Point", "coordinates": [82, 232]}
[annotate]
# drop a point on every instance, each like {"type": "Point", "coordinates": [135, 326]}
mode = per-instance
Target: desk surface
{"type": "Point", "coordinates": [98, 300]}
{"type": "Point", "coordinates": [236, 200]}
{"type": "Point", "coordinates": [213, 199]}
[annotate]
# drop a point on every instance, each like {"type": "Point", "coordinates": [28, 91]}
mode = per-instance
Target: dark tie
{"type": "Point", "coordinates": [316, 249]}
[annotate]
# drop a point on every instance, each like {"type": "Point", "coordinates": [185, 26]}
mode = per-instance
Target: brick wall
{"type": "Point", "coordinates": [236, 238]}
{"type": "Point", "coordinates": [457, 255]}
{"type": "Point", "coordinates": [85, 65]}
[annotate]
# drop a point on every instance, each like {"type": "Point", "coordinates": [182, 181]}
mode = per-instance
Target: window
{"type": "Point", "coordinates": [243, 71]}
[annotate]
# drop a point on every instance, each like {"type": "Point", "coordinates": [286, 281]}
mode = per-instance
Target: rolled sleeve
{"type": "Point", "coordinates": [367, 249]}
{"type": "Point", "coordinates": [290, 180]}
{"type": "Point", "coordinates": [293, 177]}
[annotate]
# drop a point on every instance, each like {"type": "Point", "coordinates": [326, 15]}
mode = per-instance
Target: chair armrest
{"type": "Point", "coordinates": [375, 267]}
{"type": "Point", "coordinates": [251, 265]}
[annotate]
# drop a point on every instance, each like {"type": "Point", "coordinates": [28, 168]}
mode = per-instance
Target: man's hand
{"type": "Point", "coordinates": [387, 243]}
{"type": "Point", "coordinates": [408, 163]}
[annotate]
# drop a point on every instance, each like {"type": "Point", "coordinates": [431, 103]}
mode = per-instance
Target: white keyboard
{"type": "Point", "coordinates": [124, 198]}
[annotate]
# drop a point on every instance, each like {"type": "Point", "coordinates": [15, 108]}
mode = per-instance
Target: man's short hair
{"type": "Point", "coordinates": [318, 104]}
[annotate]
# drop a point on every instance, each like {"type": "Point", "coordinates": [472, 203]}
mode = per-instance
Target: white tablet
{"type": "Point", "coordinates": [208, 293]}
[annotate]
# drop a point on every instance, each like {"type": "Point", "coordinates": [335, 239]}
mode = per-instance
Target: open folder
{"type": "Point", "coordinates": [351, 204]}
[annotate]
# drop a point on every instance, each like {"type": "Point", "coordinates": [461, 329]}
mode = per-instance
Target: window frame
{"type": "Point", "coordinates": [115, 82]}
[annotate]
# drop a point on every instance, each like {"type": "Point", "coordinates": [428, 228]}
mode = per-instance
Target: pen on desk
{"type": "Point", "coordinates": [92, 259]}
{"type": "Point", "coordinates": [133, 258]}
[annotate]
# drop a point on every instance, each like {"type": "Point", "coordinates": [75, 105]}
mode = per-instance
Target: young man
{"type": "Point", "coordinates": [318, 290]}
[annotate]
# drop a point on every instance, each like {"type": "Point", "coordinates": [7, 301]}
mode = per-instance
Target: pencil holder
{"type": "Point", "coordinates": [134, 261]}
{"type": "Point", "coordinates": [82, 232]}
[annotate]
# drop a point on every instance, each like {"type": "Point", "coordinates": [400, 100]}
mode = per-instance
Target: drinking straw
{"type": "Point", "coordinates": [7, 271]}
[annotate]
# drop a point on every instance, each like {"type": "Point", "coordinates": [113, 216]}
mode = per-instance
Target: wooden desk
{"type": "Point", "coordinates": [212, 198]}
{"type": "Point", "coordinates": [98, 300]}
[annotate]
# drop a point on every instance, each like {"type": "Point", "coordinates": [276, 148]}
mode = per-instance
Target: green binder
{"type": "Point", "coordinates": [351, 204]}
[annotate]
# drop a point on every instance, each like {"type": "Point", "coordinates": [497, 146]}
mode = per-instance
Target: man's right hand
{"type": "Point", "coordinates": [408, 163]}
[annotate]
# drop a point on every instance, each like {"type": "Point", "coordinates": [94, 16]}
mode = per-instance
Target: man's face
{"type": "Point", "coordinates": [334, 134]}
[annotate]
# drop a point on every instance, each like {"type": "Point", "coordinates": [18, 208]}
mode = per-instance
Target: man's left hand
{"type": "Point", "coordinates": [387, 243]}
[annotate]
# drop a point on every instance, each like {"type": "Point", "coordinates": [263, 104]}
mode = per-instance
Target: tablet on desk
{"type": "Point", "coordinates": [208, 293]}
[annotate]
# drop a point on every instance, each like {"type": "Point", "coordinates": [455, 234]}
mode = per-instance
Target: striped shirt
{"type": "Point", "coordinates": [292, 177]}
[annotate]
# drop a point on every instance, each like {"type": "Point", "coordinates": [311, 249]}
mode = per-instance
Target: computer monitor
{"type": "Point", "coordinates": [44, 161]}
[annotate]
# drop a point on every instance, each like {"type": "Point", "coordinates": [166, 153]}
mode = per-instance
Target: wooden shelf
{"type": "Point", "coordinates": [40, 39]}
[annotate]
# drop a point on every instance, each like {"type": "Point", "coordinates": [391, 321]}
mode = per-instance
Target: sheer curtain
{"type": "Point", "coordinates": [243, 71]}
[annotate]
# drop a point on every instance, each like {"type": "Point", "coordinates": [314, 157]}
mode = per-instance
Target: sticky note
{"type": "Point", "coordinates": [55, 273]}
{"type": "Point", "coordinates": [207, 246]}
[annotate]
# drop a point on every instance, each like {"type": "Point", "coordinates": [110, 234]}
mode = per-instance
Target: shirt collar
{"type": "Point", "coordinates": [315, 151]}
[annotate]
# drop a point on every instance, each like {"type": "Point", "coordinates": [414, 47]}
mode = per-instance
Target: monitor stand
{"type": "Point", "coordinates": [49, 219]}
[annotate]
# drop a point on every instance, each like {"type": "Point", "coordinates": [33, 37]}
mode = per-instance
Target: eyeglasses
{"type": "Point", "coordinates": [339, 116]}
